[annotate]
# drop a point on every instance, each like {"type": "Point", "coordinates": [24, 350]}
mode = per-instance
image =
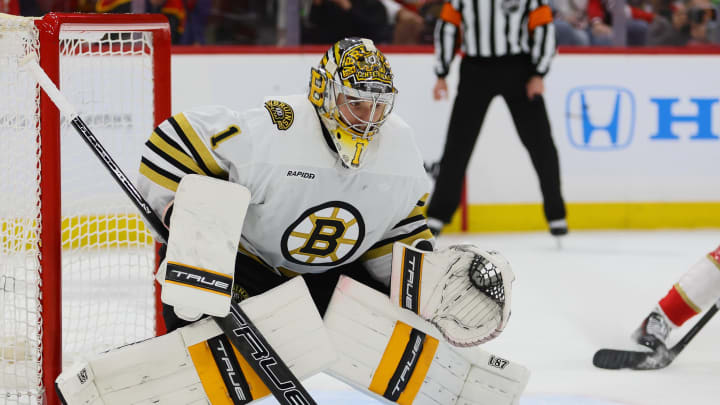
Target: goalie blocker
{"type": "Point", "coordinates": [197, 364]}
{"type": "Point", "coordinates": [199, 267]}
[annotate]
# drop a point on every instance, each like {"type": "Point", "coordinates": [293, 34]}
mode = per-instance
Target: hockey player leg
{"type": "Point", "coordinates": [397, 357]}
{"type": "Point", "coordinates": [696, 290]}
{"type": "Point", "coordinates": [463, 290]}
{"type": "Point", "coordinates": [197, 364]}
{"type": "Point", "coordinates": [205, 226]}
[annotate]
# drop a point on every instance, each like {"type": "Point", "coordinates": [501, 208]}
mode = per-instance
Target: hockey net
{"type": "Point", "coordinates": [76, 260]}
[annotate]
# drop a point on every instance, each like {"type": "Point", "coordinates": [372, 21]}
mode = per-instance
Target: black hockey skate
{"type": "Point", "coordinates": [558, 227]}
{"type": "Point", "coordinates": [653, 332]}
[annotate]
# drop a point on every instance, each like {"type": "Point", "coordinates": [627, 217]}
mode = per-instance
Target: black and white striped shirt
{"type": "Point", "coordinates": [495, 28]}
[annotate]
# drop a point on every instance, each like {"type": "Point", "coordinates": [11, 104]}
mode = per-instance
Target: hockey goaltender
{"type": "Point", "coordinates": [328, 186]}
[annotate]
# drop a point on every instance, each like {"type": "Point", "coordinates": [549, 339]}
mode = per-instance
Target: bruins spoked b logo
{"type": "Point", "coordinates": [325, 235]}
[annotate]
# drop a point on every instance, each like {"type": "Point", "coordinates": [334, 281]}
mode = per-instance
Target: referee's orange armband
{"type": "Point", "coordinates": [451, 15]}
{"type": "Point", "coordinates": [540, 16]}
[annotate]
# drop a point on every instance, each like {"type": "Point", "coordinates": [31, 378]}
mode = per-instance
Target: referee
{"type": "Point", "coordinates": [507, 47]}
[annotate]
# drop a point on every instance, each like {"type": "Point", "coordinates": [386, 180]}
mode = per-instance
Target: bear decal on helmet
{"type": "Point", "coordinates": [352, 90]}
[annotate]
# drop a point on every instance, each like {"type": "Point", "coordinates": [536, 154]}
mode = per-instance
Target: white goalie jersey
{"type": "Point", "coordinates": [307, 212]}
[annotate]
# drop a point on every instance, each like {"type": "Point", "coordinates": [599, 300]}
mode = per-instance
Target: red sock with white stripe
{"type": "Point", "coordinates": [675, 307]}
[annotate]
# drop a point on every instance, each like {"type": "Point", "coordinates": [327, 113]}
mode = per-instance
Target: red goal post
{"type": "Point", "coordinates": [76, 261]}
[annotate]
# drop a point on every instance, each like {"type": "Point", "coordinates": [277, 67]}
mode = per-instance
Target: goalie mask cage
{"type": "Point", "coordinates": [76, 261]}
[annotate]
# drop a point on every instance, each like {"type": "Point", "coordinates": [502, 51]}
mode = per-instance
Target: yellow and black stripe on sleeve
{"type": "Point", "coordinates": [162, 149]}
{"type": "Point", "coordinates": [158, 175]}
{"type": "Point", "coordinates": [174, 150]}
{"type": "Point", "coordinates": [200, 152]}
{"type": "Point", "coordinates": [416, 215]}
{"type": "Point", "coordinates": [171, 152]}
{"type": "Point", "coordinates": [409, 230]}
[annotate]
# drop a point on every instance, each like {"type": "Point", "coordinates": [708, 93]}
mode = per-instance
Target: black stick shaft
{"type": "Point", "coordinates": [127, 186]}
{"type": "Point", "coordinates": [276, 375]}
{"type": "Point", "coordinates": [679, 346]}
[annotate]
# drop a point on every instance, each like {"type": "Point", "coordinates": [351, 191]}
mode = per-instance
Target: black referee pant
{"type": "Point", "coordinates": [481, 79]}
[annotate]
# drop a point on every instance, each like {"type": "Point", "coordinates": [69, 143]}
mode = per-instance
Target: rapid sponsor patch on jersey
{"type": "Point", "coordinates": [325, 235]}
{"type": "Point", "coordinates": [299, 173]}
{"type": "Point", "coordinates": [281, 114]}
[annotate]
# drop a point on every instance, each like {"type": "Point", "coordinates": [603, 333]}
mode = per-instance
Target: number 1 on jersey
{"type": "Point", "coordinates": [358, 151]}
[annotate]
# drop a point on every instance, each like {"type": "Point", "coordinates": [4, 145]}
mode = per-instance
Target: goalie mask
{"type": "Point", "coordinates": [352, 90]}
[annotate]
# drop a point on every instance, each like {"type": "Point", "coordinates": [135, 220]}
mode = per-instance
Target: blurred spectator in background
{"type": "Point", "coordinates": [600, 15]}
{"type": "Point", "coordinates": [245, 22]}
{"type": "Point", "coordinates": [702, 17]}
{"type": "Point", "coordinates": [571, 22]}
{"type": "Point", "coordinates": [196, 23]}
{"type": "Point", "coordinates": [10, 7]}
{"type": "Point", "coordinates": [678, 23]}
{"type": "Point", "coordinates": [430, 11]}
{"type": "Point", "coordinates": [113, 6]}
{"type": "Point", "coordinates": [226, 22]}
{"type": "Point", "coordinates": [670, 27]}
{"type": "Point", "coordinates": [407, 24]}
{"type": "Point", "coordinates": [174, 10]}
{"type": "Point", "coordinates": [32, 8]}
{"type": "Point", "coordinates": [332, 20]}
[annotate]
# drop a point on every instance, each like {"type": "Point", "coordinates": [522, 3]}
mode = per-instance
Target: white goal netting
{"type": "Point", "coordinates": [107, 254]}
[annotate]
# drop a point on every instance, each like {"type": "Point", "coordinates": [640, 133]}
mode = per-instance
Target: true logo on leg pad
{"type": "Point", "coordinates": [404, 364]}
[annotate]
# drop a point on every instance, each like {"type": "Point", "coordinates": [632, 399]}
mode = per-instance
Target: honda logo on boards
{"type": "Point", "coordinates": [701, 119]}
{"type": "Point", "coordinates": [600, 117]}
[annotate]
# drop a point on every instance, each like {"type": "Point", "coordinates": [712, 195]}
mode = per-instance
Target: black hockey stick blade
{"type": "Point", "coordinates": [271, 369]}
{"type": "Point", "coordinates": [616, 359]}
{"type": "Point", "coordinates": [662, 357]}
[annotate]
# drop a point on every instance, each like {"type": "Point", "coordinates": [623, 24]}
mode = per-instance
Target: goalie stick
{"type": "Point", "coordinates": [243, 334]}
{"type": "Point", "coordinates": [662, 357]}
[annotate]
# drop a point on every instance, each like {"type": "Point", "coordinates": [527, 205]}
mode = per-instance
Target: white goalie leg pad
{"type": "Point", "coordinates": [397, 357]}
{"type": "Point", "coordinates": [289, 320]}
{"type": "Point", "coordinates": [463, 290]}
{"type": "Point", "coordinates": [492, 379]}
{"type": "Point", "coordinates": [205, 228]}
{"type": "Point", "coordinates": [156, 370]}
{"type": "Point", "coordinates": [197, 365]}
